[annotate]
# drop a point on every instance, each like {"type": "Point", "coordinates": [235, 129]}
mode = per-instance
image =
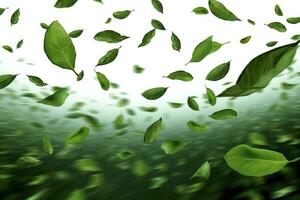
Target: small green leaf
{"type": "Point", "coordinates": [172, 146]}
{"type": "Point", "coordinates": [147, 38]}
{"type": "Point", "coordinates": [200, 11]}
{"type": "Point", "coordinates": [64, 3]}
{"type": "Point", "coordinates": [154, 93]}
{"type": "Point", "coordinates": [220, 11]}
{"type": "Point", "coordinates": [216, 46]}
{"type": "Point", "coordinates": [250, 161]}
{"type": "Point", "coordinates": [296, 37]}
{"type": "Point", "coordinates": [287, 86]}
{"type": "Point", "coordinates": [137, 69]}
{"type": "Point", "coordinates": [78, 136]}
{"type": "Point", "coordinates": [110, 36]}
{"type": "Point", "coordinates": [48, 148]}
{"type": "Point", "coordinates": [19, 44]}
{"type": "Point", "coordinates": [196, 127]}
{"type": "Point", "coordinates": [278, 10]}
{"type": "Point", "coordinates": [278, 26]}
{"type": "Point", "coordinates": [15, 17]}
{"type": "Point", "coordinates": [153, 132]}
{"type": "Point", "coordinates": [44, 25]}
{"type": "Point", "coordinates": [8, 48]}
{"type": "Point", "coordinates": [109, 57]}
{"type": "Point", "coordinates": [225, 114]}
{"type": "Point", "coordinates": [122, 14]}
{"type": "Point", "coordinates": [2, 10]}
{"type": "Point", "coordinates": [180, 75]}
{"type": "Point", "coordinates": [211, 97]}
{"type": "Point", "coordinates": [251, 22]}
{"type": "Point", "coordinates": [80, 76]}
{"type": "Point", "coordinates": [192, 103]}
{"type": "Point", "coordinates": [104, 82]}
{"type": "Point", "coordinates": [271, 43]}
{"type": "Point", "coordinates": [201, 50]}
{"type": "Point", "coordinates": [176, 44]}
{"type": "Point", "coordinates": [28, 161]}
{"type": "Point", "coordinates": [157, 24]}
{"type": "Point", "coordinates": [293, 20]}
{"type": "Point", "coordinates": [203, 171]}
{"type": "Point", "coordinates": [175, 105]}
{"type": "Point", "coordinates": [57, 99]}
{"type": "Point", "coordinates": [6, 79]}
{"type": "Point", "coordinates": [245, 40]}
{"type": "Point", "coordinates": [148, 109]}
{"type": "Point", "coordinates": [37, 81]}
{"type": "Point", "coordinates": [158, 6]}
{"type": "Point", "coordinates": [125, 154]}
{"type": "Point", "coordinates": [218, 72]}
{"type": "Point", "coordinates": [108, 20]}
{"type": "Point", "coordinates": [76, 33]}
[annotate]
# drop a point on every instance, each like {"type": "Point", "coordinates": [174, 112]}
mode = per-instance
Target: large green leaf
{"type": "Point", "coordinates": [180, 75]}
{"type": "Point", "coordinates": [158, 6]}
{"type": "Point", "coordinates": [147, 38]}
{"type": "Point", "coordinates": [153, 132]}
{"type": "Point", "coordinates": [220, 11]}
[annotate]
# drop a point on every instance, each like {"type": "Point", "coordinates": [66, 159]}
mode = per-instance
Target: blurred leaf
{"type": "Point", "coordinates": [110, 36]}
{"type": "Point", "coordinates": [78, 136]}
{"type": "Point", "coordinates": [153, 132]}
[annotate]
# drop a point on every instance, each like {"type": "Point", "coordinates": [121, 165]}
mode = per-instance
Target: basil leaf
{"type": "Point", "coordinates": [157, 24]}
{"type": "Point", "coordinates": [109, 57]}
{"type": "Point", "coordinates": [158, 6]}
{"type": "Point", "coordinates": [64, 3]}
{"type": "Point", "coordinates": [56, 99]}
{"type": "Point", "coordinates": [278, 26]}
{"type": "Point", "coordinates": [14, 19]}
{"type": "Point", "coordinates": [180, 75]}
{"type": "Point", "coordinates": [202, 50]}
{"type": "Point", "coordinates": [37, 81]}
{"type": "Point", "coordinates": [245, 40]}
{"type": "Point", "coordinates": [278, 10]}
{"type": "Point", "coordinates": [293, 20]}
{"type": "Point", "coordinates": [200, 11]}
{"type": "Point", "coordinates": [104, 82]}
{"type": "Point", "coordinates": [76, 33]}
{"type": "Point", "coordinates": [211, 97]}
{"type": "Point", "coordinates": [122, 14]}
{"type": "Point", "coordinates": [192, 103]}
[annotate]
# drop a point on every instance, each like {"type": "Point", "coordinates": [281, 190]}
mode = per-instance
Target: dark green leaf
{"type": "Point", "coordinates": [175, 105]}
{"type": "Point", "coordinates": [137, 69]}
{"type": "Point", "coordinates": [220, 11]}
{"type": "Point", "coordinates": [180, 75]}
{"type": "Point", "coordinates": [109, 57]}
{"type": "Point", "coordinates": [28, 161]}
{"type": "Point", "coordinates": [245, 40]}
{"type": "Point", "coordinates": [56, 99]}
{"type": "Point", "coordinates": [278, 10]}
{"type": "Point", "coordinates": [251, 22]}
{"type": "Point", "coordinates": [104, 82]}
{"type": "Point", "coordinates": [147, 38]}
{"type": "Point", "coordinates": [154, 93]}
{"type": "Point", "coordinates": [157, 24]}
{"type": "Point", "coordinates": [153, 132]}
{"type": "Point", "coordinates": [218, 72]}
{"type": "Point", "coordinates": [192, 103]}
{"type": "Point", "coordinates": [37, 81]}
{"type": "Point", "coordinates": [8, 48]}
{"type": "Point", "coordinates": [211, 97]}
{"type": "Point", "coordinates": [121, 14]}
{"type": "Point", "coordinates": [293, 20]}
{"type": "Point", "coordinates": [76, 33]}
{"type": "Point", "coordinates": [2, 10]}
{"type": "Point", "coordinates": [200, 11]}
{"type": "Point", "coordinates": [203, 171]}
{"type": "Point", "coordinates": [48, 148]}
{"type": "Point", "coordinates": [196, 127]}
{"type": "Point", "coordinates": [172, 146]}
{"type": "Point", "coordinates": [15, 17]}
{"type": "Point", "coordinates": [176, 44]}
{"type": "Point", "coordinates": [225, 114]}
{"type": "Point", "coordinates": [110, 36]}
{"type": "Point", "coordinates": [78, 136]}
{"type": "Point", "coordinates": [271, 43]}
{"type": "Point", "coordinates": [148, 109]}
{"type": "Point", "coordinates": [19, 44]}
{"type": "Point", "coordinates": [125, 154]}
{"type": "Point", "coordinates": [158, 6]}
{"type": "Point", "coordinates": [65, 3]}
{"type": "Point", "coordinates": [202, 50]}
{"type": "Point", "coordinates": [6, 79]}
{"type": "Point", "coordinates": [278, 26]}
{"type": "Point", "coordinates": [44, 25]}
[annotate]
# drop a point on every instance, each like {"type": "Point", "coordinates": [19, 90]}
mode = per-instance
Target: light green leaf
{"type": "Point", "coordinates": [158, 6]}
{"type": "Point", "coordinates": [154, 93]}
{"type": "Point", "coordinates": [37, 81]}
{"type": "Point", "coordinates": [218, 72]}
{"type": "Point", "coordinates": [220, 11]}
{"type": "Point", "coordinates": [87, 165]}
{"type": "Point", "coordinates": [172, 146]}
{"type": "Point", "coordinates": [192, 103]}
{"type": "Point", "coordinates": [110, 36]}
{"type": "Point", "coordinates": [196, 127]}
{"type": "Point", "coordinates": [200, 11]}
{"type": "Point", "coordinates": [78, 136]}
{"type": "Point", "coordinates": [125, 154]}
{"type": "Point", "coordinates": [225, 114]}
{"type": "Point", "coordinates": [203, 171]}
{"type": "Point", "coordinates": [147, 38]}
{"type": "Point", "coordinates": [57, 99]}
{"type": "Point", "coordinates": [157, 24]}
{"type": "Point", "coordinates": [76, 33]}
{"type": "Point", "coordinates": [6, 79]}
{"type": "Point", "coordinates": [109, 57]}
{"type": "Point", "coordinates": [15, 17]}
{"type": "Point", "coordinates": [48, 148]}
{"type": "Point", "coordinates": [176, 44]}
{"type": "Point", "coordinates": [64, 3]}
{"type": "Point", "coordinates": [175, 105]}
{"type": "Point", "coordinates": [201, 50]}
{"type": "Point", "coordinates": [180, 75]}
{"type": "Point", "coordinates": [153, 132]}
{"type": "Point", "coordinates": [104, 82]}
{"type": "Point", "coordinates": [148, 109]}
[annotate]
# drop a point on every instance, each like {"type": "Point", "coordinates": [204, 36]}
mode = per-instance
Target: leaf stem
{"type": "Point", "coordinates": [294, 160]}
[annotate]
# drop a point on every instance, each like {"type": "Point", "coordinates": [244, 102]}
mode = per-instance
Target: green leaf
{"type": "Point", "coordinates": [104, 82]}
{"type": "Point", "coordinates": [48, 148]}
{"type": "Point", "coordinates": [172, 146]}
{"type": "Point", "coordinates": [153, 132]}
{"type": "Point", "coordinates": [15, 17]}
{"type": "Point", "coordinates": [64, 3]}
{"type": "Point", "coordinates": [122, 14]}
{"type": "Point", "coordinates": [157, 24]}
{"type": "Point", "coordinates": [203, 171]}
{"type": "Point", "coordinates": [200, 11]}
{"type": "Point", "coordinates": [278, 26]}
{"type": "Point", "coordinates": [293, 20]}
{"type": "Point", "coordinates": [250, 161]}
{"type": "Point", "coordinates": [57, 99]}
{"type": "Point", "coordinates": [2, 10]}
{"type": "Point", "coordinates": [147, 38]}
{"type": "Point", "coordinates": [158, 6]}
{"type": "Point", "coordinates": [110, 36]}
{"type": "Point", "coordinates": [225, 114]}
{"type": "Point", "coordinates": [278, 10]}
{"type": "Point", "coordinates": [218, 72]}
{"type": "Point", "coordinates": [87, 165]}
{"type": "Point", "coordinates": [251, 22]}
{"type": "Point", "coordinates": [109, 57]}
{"type": "Point", "coordinates": [180, 75]}
{"type": "Point", "coordinates": [8, 48]}
{"type": "Point", "coordinates": [261, 70]}
{"type": "Point", "coordinates": [245, 40]}
{"type": "Point", "coordinates": [192, 103]}
{"type": "Point", "coordinates": [157, 182]}
{"type": "Point", "coordinates": [59, 47]}
{"type": "Point", "coordinates": [78, 136]}
{"type": "Point", "coordinates": [176, 44]}
{"type": "Point", "coordinates": [125, 154]}
{"type": "Point", "coordinates": [80, 76]}
{"type": "Point", "coordinates": [137, 69]}
{"type": "Point", "coordinates": [108, 20]}
{"type": "Point", "coordinates": [44, 25]}
{"type": "Point", "coordinates": [154, 93]}
{"type": "Point", "coordinates": [296, 37]}
{"type": "Point", "coordinates": [271, 43]}
{"type": "Point", "coordinates": [148, 109]}
{"type": "Point", "coordinates": [216, 46]}
{"type": "Point", "coordinates": [196, 127]}
{"type": "Point", "coordinates": [211, 97]}
{"type": "Point", "coordinates": [201, 50]}
{"type": "Point", "coordinates": [287, 86]}
{"type": "Point", "coordinates": [220, 11]}
{"type": "Point", "coordinates": [19, 44]}
{"type": "Point", "coordinates": [37, 81]}
{"type": "Point", "coordinates": [28, 161]}
{"type": "Point", "coordinates": [6, 79]}
{"type": "Point", "coordinates": [175, 105]}
{"type": "Point", "coordinates": [76, 33]}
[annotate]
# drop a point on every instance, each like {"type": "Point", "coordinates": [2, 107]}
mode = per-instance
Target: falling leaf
{"type": "Point", "coordinates": [148, 109]}
{"type": "Point", "coordinates": [250, 161]}
{"type": "Point", "coordinates": [2, 10]}
{"type": "Point", "coordinates": [15, 17]}
{"type": "Point", "coordinates": [211, 97]}
{"type": "Point", "coordinates": [220, 11]}
{"type": "Point", "coordinates": [154, 93]}
{"type": "Point", "coordinates": [109, 57]}
{"type": "Point", "coordinates": [6, 79]}
{"type": "Point", "coordinates": [296, 37]}
{"type": "Point", "coordinates": [157, 24]}
{"type": "Point", "coordinates": [64, 3]}
{"type": "Point", "coordinates": [76, 33]}
{"type": "Point", "coordinates": [80, 76]}
{"type": "Point", "coordinates": [175, 105]}
{"type": "Point", "coordinates": [245, 40]}
{"type": "Point", "coordinates": [78, 136]}
{"type": "Point", "coordinates": [153, 132]}
{"type": "Point", "coordinates": [48, 148]}
{"type": "Point", "coordinates": [180, 75]}
{"type": "Point", "coordinates": [137, 69]}
{"type": "Point", "coordinates": [57, 99]}
{"type": "Point", "coordinates": [176, 44]}
{"type": "Point", "coordinates": [192, 103]}
{"type": "Point", "coordinates": [218, 72]}
{"type": "Point", "coordinates": [293, 20]}
{"type": "Point", "coordinates": [158, 6]}
{"type": "Point", "coordinates": [203, 171]}
{"type": "Point", "coordinates": [147, 38]}
{"type": "Point", "coordinates": [110, 36]}
{"type": "Point", "coordinates": [196, 127]}
{"type": "Point", "coordinates": [28, 161]}
{"type": "Point", "coordinates": [44, 25]}
{"type": "Point", "coordinates": [104, 82]}
{"type": "Point", "coordinates": [200, 11]}
{"type": "Point", "coordinates": [8, 48]}
{"type": "Point", "coordinates": [287, 86]}
{"type": "Point", "coordinates": [108, 20]}
{"type": "Point", "coordinates": [216, 46]}
{"type": "Point", "coordinates": [122, 14]}
{"type": "Point", "coordinates": [278, 10]}
{"type": "Point", "coordinates": [251, 22]}
{"type": "Point", "coordinates": [125, 154]}
{"type": "Point", "coordinates": [201, 50]}
{"type": "Point", "coordinates": [225, 114]}
{"type": "Point", "coordinates": [257, 138]}
{"type": "Point", "coordinates": [271, 43]}
{"type": "Point", "coordinates": [278, 26]}
{"type": "Point", "coordinates": [157, 182]}
{"type": "Point", "coordinates": [37, 81]}
{"type": "Point", "coordinates": [20, 43]}
{"type": "Point", "coordinates": [172, 146]}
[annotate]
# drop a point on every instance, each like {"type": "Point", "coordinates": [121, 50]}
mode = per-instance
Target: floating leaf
{"type": "Point", "coordinates": [108, 20]}
{"type": "Point", "coordinates": [220, 11]}
{"type": "Point", "coordinates": [104, 82]}
{"type": "Point", "coordinates": [196, 127]}
{"type": "Point", "coordinates": [250, 161]}
{"type": "Point", "coordinates": [251, 22]}
{"type": "Point", "coordinates": [2, 10]}
{"type": "Point", "coordinates": [157, 24]}
{"type": "Point", "coordinates": [87, 165]}
{"type": "Point", "coordinates": [109, 57]}
{"type": "Point", "coordinates": [176, 44]}
{"type": "Point", "coordinates": [147, 38]}
{"type": "Point", "coordinates": [278, 26]}
{"type": "Point", "coordinates": [245, 40]}
{"type": "Point", "coordinates": [15, 17]}
{"type": "Point", "coordinates": [8, 48]}
{"type": "Point", "coordinates": [211, 97]}
{"type": "Point", "coordinates": [37, 81]}
{"type": "Point", "coordinates": [93, 121]}
{"type": "Point", "coordinates": [19, 44]}
{"type": "Point", "coordinates": [137, 69]}
{"type": "Point", "coordinates": [122, 14]}
{"type": "Point", "coordinates": [157, 182]}
{"type": "Point", "coordinates": [257, 138]}
{"type": "Point", "coordinates": [192, 103]}
{"type": "Point", "coordinates": [6, 79]}
{"type": "Point", "coordinates": [28, 161]}
{"type": "Point", "coordinates": [202, 50]}
{"type": "Point", "coordinates": [293, 20]}
{"type": "Point", "coordinates": [271, 43]}
{"type": "Point", "coordinates": [153, 132]}
{"type": "Point", "coordinates": [57, 99]}
{"type": "Point", "coordinates": [172, 146]}
{"type": "Point", "coordinates": [48, 148]}
{"type": "Point", "coordinates": [76, 33]}
{"type": "Point", "coordinates": [44, 25]}
{"type": "Point", "coordinates": [287, 86]}
{"type": "Point", "coordinates": [203, 171]}
{"type": "Point", "coordinates": [278, 10]}
{"type": "Point", "coordinates": [218, 72]}
{"type": "Point", "coordinates": [78, 136]}
{"type": "Point", "coordinates": [175, 105]}
{"type": "Point", "coordinates": [261, 70]}
{"type": "Point", "coordinates": [180, 75]}
{"type": "Point", "coordinates": [110, 36]}
{"type": "Point", "coordinates": [64, 3]}
{"type": "Point", "coordinates": [158, 6]}
{"type": "Point", "coordinates": [125, 155]}
{"type": "Point", "coordinates": [225, 114]}
{"type": "Point", "coordinates": [200, 11]}
{"type": "Point", "coordinates": [119, 122]}
{"type": "Point", "coordinates": [148, 109]}
{"type": "Point", "coordinates": [154, 93]}
{"type": "Point", "coordinates": [80, 76]}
